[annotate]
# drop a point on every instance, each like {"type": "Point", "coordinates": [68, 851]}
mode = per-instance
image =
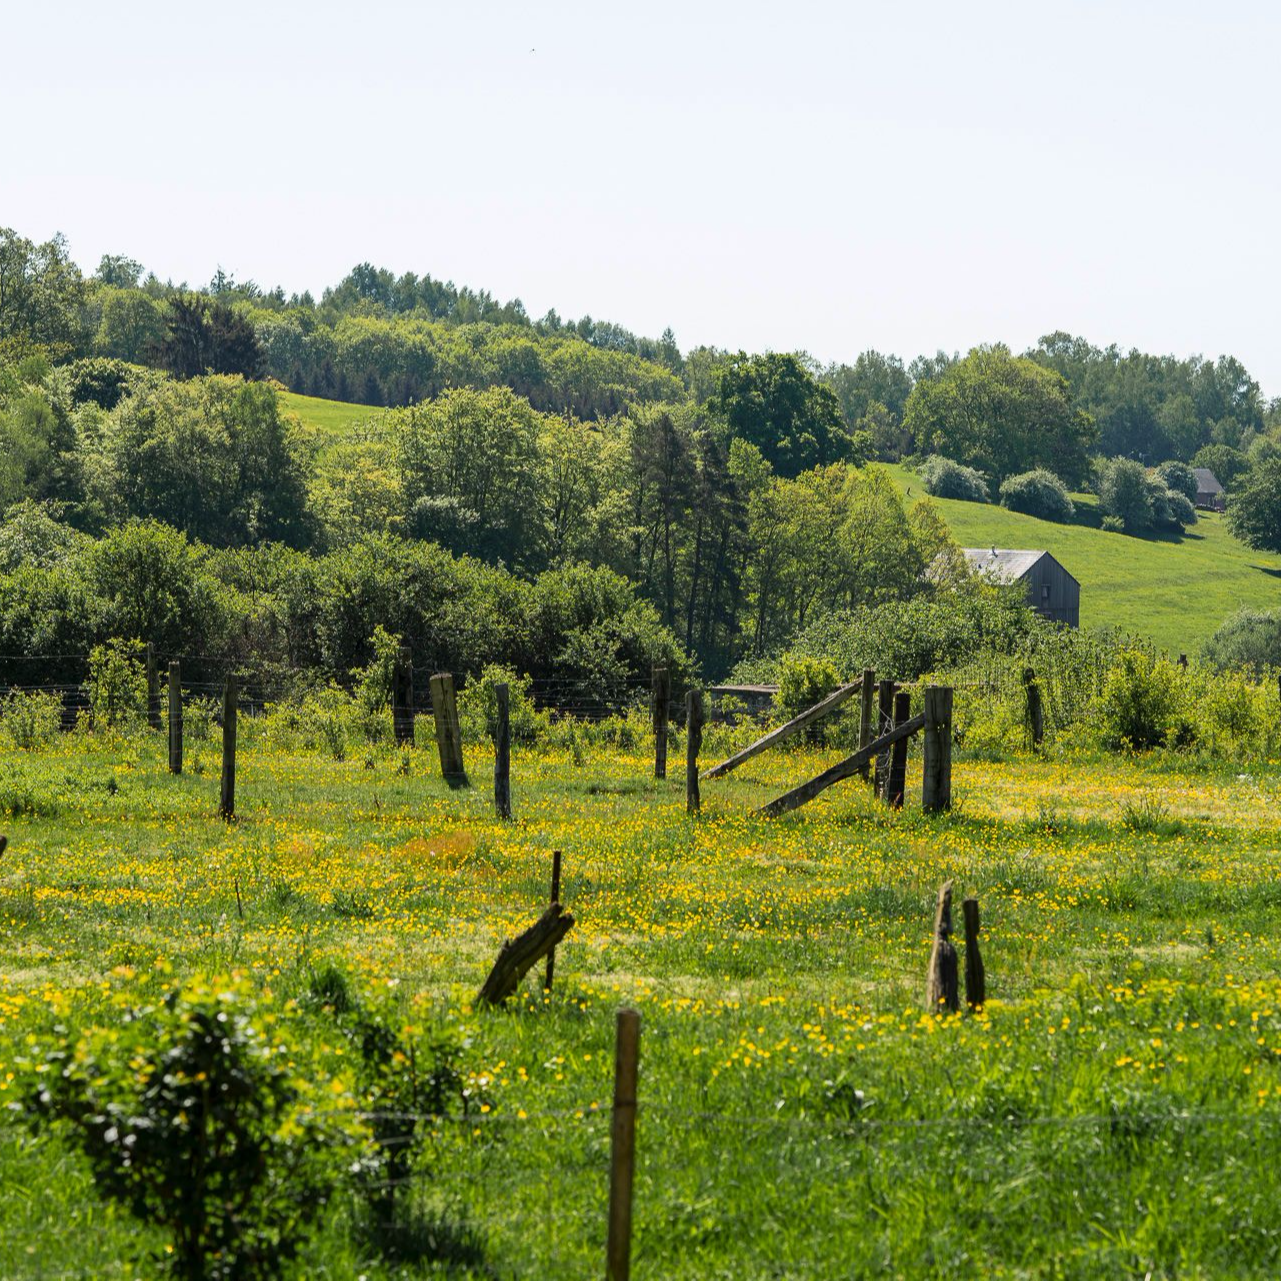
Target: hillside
{"type": "Point", "coordinates": [332, 418]}
{"type": "Point", "coordinates": [1175, 590]}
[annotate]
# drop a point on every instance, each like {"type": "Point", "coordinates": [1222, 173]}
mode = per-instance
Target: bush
{"type": "Point", "coordinates": [1178, 478]}
{"type": "Point", "coordinates": [1113, 525]}
{"type": "Point", "coordinates": [1227, 464]}
{"type": "Point", "coordinates": [198, 1120]}
{"type": "Point", "coordinates": [117, 685]}
{"type": "Point", "coordinates": [31, 720]}
{"type": "Point", "coordinates": [1181, 512]}
{"type": "Point", "coordinates": [1124, 493]}
{"type": "Point", "coordinates": [1038, 493]}
{"type": "Point", "coordinates": [1142, 703]}
{"type": "Point", "coordinates": [946, 479]}
{"type": "Point", "coordinates": [1250, 640]}
{"type": "Point", "coordinates": [478, 706]}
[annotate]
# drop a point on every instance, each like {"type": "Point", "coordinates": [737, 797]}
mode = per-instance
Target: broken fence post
{"type": "Point", "coordinates": [975, 977]}
{"type": "Point", "coordinates": [941, 979]}
{"type": "Point", "coordinates": [622, 1146]}
{"type": "Point", "coordinates": [936, 768]}
{"type": "Point", "coordinates": [449, 739]}
{"type": "Point", "coordinates": [518, 955]}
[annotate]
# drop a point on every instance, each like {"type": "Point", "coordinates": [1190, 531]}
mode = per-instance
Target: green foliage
{"type": "Point", "coordinates": [40, 297]}
{"type": "Point", "coordinates": [194, 1117]}
{"type": "Point", "coordinates": [1125, 494]}
{"type": "Point", "coordinates": [1254, 510]}
{"type": "Point", "coordinates": [1112, 525]}
{"type": "Point", "coordinates": [31, 719]}
{"type": "Point", "coordinates": [1178, 478]}
{"type": "Point", "coordinates": [1143, 703]}
{"type": "Point", "coordinates": [944, 478]}
{"type": "Point", "coordinates": [1038, 493]}
{"type": "Point", "coordinates": [802, 682]}
{"type": "Point", "coordinates": [204, 336]}
{"type": "Point", "coordinates": [377, 679]}
{"type": "Point", "coordinates": [1227, 464]}
{"type": "Point", "coordinates": [1250, 641]}
{"type": "Point", "coordinates": [117, 685]}
{"type": "Point", "coordinates": [478, 706]}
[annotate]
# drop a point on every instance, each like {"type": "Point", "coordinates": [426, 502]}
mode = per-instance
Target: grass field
{"type": "Point", "coordinates": [334, 419]}
{"type": "Point", "coordinates": [1113, 1111]}
{"type": "Point", "coordinates": [1176, 591]}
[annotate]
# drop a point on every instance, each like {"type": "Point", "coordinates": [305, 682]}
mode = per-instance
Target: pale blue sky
{"type": "Point", "coordinates": [821, 176]}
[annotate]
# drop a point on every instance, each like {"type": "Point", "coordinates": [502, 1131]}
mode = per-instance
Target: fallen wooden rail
{"type": "Point", "coordinates": [517, 956]}
{"type": "Point", "coordinates": [806, 792]}
{"type": "Point", "coordinates": [807, 717]}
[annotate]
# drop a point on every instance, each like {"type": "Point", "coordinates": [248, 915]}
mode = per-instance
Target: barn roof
{"type": "Point", "coordinates": [1003, 563]}
{"type": "Point", "coordinates": [1206, 481]}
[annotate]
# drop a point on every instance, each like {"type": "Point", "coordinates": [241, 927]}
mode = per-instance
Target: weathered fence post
{"type": "Point", "coordinates": [1035, 713]}
{"type": "Point", "coordinates": [866, 706]}
{"type": "Point", "coordinates": [936, 770]}
{"type": "Point", "coordinates": [662, 697]}
{"type": "Point", "coordinates": [551, 956]}
{"type": "Point", "coordinates": [402, 704]}
{"type": "Point", "coordinates": [897, 784]}
{"type": "Point", "coordinates": [153, 688]}
{"type": "Point", "coordinates": [230, 704]}
{"type": "Point", "coordinates": [693, 745]}
{"type": "Point", "coordinates": [449, 738]}
{"type": "Point", "coordinates": [884, 715]}
{"type": "Point", "coordinates": [622, 1147]}
{"type": "Point", "coordinates": [503, 756]}
{"type": "Point", "coordinates": [175, 719]}
{"type": "Point", "coordinates": [940, 987]}
{"type": "Point", "coordinates": [975, 978]}
{"type": "Point", "coordinates": [1183, 661]}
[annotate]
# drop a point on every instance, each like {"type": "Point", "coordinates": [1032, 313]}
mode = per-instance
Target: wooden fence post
{"type": "Point", "coordinates": [551, 956]}
{"type": "Point", "coordinates": [936, 771]}
{"type": "Point", "coordinates": [866, 706]}
{"type": "Point", "coordinates": [503, 756]}
{"type": "Point", "coordinates": [153, 688]}
{"type": "Point", "coordinates": [449, 737]}
{"type": "Point", "coordinates": [175, 719]}
{"type": "Point", "coordinates": [884, 715]}
{"type": "Point", "coordinates": [940, 989]}
{"type": "Point", "coordinates": [975, 977]}
{"type": "Point", "coordinates": [402, 704]}
{"type": "Point", "coordinates": [1035, 712]}
{"type": "Point", "coordinates": [693, 745]}
{"type": "Point", "coordinates": [230, 703]}
{"type": "Point", "coordinates": [897, 784]}
{"type": "Point", "coordinates": [622, 1147]}
{"type": "Point", "coordinates": [661, 701]}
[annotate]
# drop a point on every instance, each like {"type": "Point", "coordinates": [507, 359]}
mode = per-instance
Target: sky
{"type": "Point", "coordinates": [825, 177]}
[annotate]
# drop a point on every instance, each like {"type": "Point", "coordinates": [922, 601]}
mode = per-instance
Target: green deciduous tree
{"type": "Point", "coordinates": [1254, 510]}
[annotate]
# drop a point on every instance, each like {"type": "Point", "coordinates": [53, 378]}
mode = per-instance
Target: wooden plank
{"type": "Point", "coordinates": [518, 955]}
{"type": "Point", "coordinates": [449, 737]}
{"type": "Point", "coordinates": [806, 792]}
{"type": "Point", "coordinates": [807, 717]}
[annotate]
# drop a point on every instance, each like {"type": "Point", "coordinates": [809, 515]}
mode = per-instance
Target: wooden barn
{"type": "Point", "coordinates": [1209, 493]}
{"type": "Point", "coordinates": [1051, 590]}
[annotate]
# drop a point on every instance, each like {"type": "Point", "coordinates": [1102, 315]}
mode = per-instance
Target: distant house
{"type": "Point", "coordinates": [1209, 493]}
{"type": "Point", "coordinates": [1051, 590]}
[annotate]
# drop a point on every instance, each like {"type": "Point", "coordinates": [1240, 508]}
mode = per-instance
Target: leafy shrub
{"type": "Point", "coordinates": [1113, 525]}
{"type": "Point", "coordinates": [1038, 493]}
{"type": "Point", "coordinates": [1124, 493]}
{"type": "Point", "coordinates": [194, 1115]}
{"type": "Point", "coordinates": [1227, 464]}
{"type": "Point", "coordinates": [802, 682]}
{"type": "Point", "coordinates": [1142, 704]}
{"type": "Point", "coordinates": [1181, 511]}
{"type": "Point", "coordinates": [1249, 640]}
{"type": "Point", "coordinates": [947, 479]}
{"type": "Point", "coordinates": [1178, 478]}
{"type": "Point", "coordinates": [31, 719]}
{"type": "Point", "coordinates": [377, 679]}
{"type": "Point", "coordinates": [478, 706]}
{"type": "Point", "coordinates": [117, 684]}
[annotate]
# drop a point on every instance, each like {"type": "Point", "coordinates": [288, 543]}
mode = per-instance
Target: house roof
{"type": "Point", "coordinates": [1003, 563]}
{"type": "Point", "coordinates": [1206, 481]}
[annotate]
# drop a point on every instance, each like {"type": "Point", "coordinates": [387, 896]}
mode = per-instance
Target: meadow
{"type": "Point", "coordinates": [1111, 1112]}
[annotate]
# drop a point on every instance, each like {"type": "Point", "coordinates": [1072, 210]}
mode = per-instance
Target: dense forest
{"type": "Point", "coordinates": [562, 496]}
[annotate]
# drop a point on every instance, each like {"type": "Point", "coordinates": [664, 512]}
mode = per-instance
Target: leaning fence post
{"type": "Point", "coordinates": [449, 739]}
{"type": "Point", "coordinates": [175, 719]}
{"type": "Point", "coordinates": [975, 977]}
{"type": "Point", "coordinates": [153, 688]}
{"type": "Point", "coordinates": [936, 770]}
{"type": "Point", "coordinates": [693, 745]}
{"type": "Point", "coordinates": [940, 986]}
{"type": "Point", "coordinates": [551, 956]}
{"type": "Point", "coordinates": [884, 715]}
{"type": "Point", "coordinates": [866, 706]}
{"type": "Point", "coordinates": [622, 1146]}
{"type": "Point", "coordinates": [230, 702]}
{"type": "Point", "coordinates": [662, 697]}
{"type": "Point", "coordinates": [402, 708]}
{"type": "Point", "coordinates": [502, 755]}
{"type": "Point", "coordinates": [1035, 713]}
{"type": "Point", "coordinates": [897, 784]}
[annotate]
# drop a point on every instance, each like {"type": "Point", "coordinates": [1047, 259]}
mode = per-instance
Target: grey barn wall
{"type": "Point", "coordinates": [1064, 602]}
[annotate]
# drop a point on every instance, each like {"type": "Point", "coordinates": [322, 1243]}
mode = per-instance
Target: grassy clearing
{"type": "Point", "coordinates": [334, 419]}
{"type": "Point", "coordinates": [1174, 590]}
{"type": "Point", "coordinates": [1110, 1113]}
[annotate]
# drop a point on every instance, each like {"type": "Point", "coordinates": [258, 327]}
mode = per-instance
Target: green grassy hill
{"type": "Point", "coordinates": [332, 418]}
{"type": "Point", "coordinates": [1175, 590]}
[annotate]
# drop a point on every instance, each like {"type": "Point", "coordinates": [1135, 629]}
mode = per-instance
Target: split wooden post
{"type": "Point", "coordinates": [866, 709]}
{"type": "Point", "coordinates": [175, 719]}
{"type": "Point", "coordinates": [230, 704]}
{"type": "Point", "coordinates": [941, 985]}
{"type": "Point", "coordinates": [693, 745]}
{"type": "Point", "coordinates": [503, 756]}
{"type": "Point", "coordinates": [661, 701]}
{"type": "Point", "coordinates": [1035, 712]}
{"type": "Point", "coordinates": [936, 770]}
{"type": "Point", "coordinates": [622, 1146]}
{"type": "Point", "coordinates": [518, 955]}
{"type": "Point", "coordinates": [884, 719]}
{"type": "Point", "coordinates": [896, 787]}
{"type": "Point", "coordinates": [551, 956]}
{"type": "Point", "coordinates": [975, 977]}
{"type": "Point", "coordinates": [402, 704]}
{"type": "Point", "coordinates": [449, 738]}
{"type": "Point", "coordinates": [153, 688]}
